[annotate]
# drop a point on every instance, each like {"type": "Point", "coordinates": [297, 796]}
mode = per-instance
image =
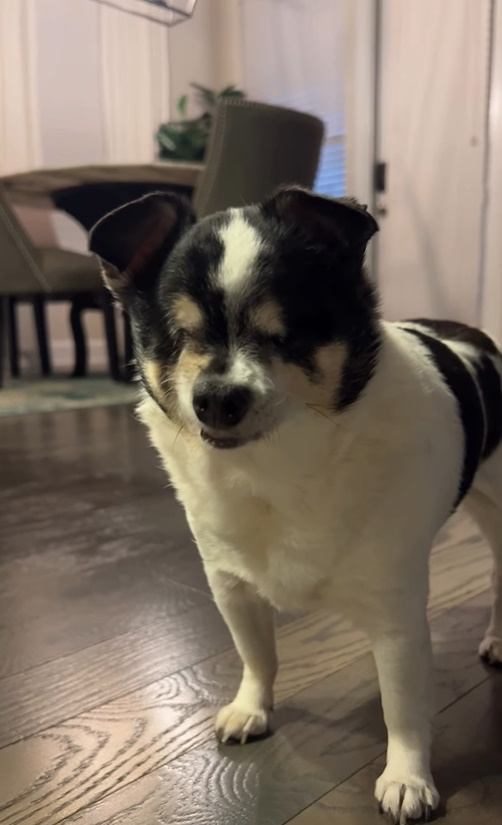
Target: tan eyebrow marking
{"type": "Point", "coordinates": [267, 318]}
{"type": "Point", "coordinates": [187, 314]}
{"type": "Point", "coordinates": [323, 390]}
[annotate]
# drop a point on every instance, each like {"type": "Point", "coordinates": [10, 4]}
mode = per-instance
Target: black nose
{"type": "Point", "coordinates": [221, 407]}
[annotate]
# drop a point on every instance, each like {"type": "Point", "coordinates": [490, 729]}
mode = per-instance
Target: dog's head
{"type": "Point", "coordinates": [245, 318]}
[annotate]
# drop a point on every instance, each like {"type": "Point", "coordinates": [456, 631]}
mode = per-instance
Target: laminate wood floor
{"type": "Point", "coordinates": [113, 658]}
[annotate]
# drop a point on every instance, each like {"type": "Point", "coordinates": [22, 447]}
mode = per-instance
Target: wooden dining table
{"type": "Point", "coordinates": [41, 186]}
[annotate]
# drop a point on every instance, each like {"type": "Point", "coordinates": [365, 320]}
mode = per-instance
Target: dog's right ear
{"type": "Point", "coordinates": [133, 241]}
{"type": "Point", "coordinates": [341, 222]}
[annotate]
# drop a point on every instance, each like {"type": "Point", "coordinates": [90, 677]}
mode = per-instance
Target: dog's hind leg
{"type": "Point", "coordinates": [484, 503]}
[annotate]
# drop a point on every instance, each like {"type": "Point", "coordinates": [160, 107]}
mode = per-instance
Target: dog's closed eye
{"type": "Point", "coordinates": [269, 342]}
{"type": "Point", "coordinates": [267, 319]}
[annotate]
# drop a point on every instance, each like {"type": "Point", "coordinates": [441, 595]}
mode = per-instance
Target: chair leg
{"type": "Point", "coordinates": [111, 336]}
{"type": "Point", "coordinates": [128, 349]}
{"type": "Point", "coordinates": [13, 337]}
{"type": "Point", "coordinates": [41, 329]}
{"type": "Point", "coordinates": [80, 368]}
{"type": "Point", "coordinates": [3, 335]}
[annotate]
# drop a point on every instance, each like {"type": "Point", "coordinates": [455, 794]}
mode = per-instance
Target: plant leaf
{"type": "Point", "coordinates": [232, 92]}
{"type": "Point", "coordinates": [184, 140]}
{"type": "Point", "coordinates": [182, 105]}
{"type": "Point", "coordinates": [205, 97]}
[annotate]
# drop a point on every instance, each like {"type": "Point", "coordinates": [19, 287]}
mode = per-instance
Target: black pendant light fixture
{"type": "Point", "coordinates": [166, 12]}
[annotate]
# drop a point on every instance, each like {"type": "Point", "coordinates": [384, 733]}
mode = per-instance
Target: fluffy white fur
{"type": "Point", "coordinates": [340, 512]}
{"type": "Point", "coordinates": [242, 244]}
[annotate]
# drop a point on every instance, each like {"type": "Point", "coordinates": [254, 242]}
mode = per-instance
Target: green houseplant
{"type": "Point", "coordinates": [186, 139]}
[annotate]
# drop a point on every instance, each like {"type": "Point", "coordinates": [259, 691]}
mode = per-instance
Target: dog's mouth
{"type": "Point", "coordinates": [222, 443]}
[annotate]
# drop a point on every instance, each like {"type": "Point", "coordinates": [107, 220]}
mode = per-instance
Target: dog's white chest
{"type": "Point", "coordinates": [268, 542]}
{"type": "Point", "coordinates": [273, 535]}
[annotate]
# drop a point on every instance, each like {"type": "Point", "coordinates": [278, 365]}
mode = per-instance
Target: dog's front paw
{"type": "Point", "coordinates": [490, 650]}
{"type": "Point", "coordinates": [404, 797]}
{"type": "Point", "coordinates": [236, 721]}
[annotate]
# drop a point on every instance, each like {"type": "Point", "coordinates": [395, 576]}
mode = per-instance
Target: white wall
{"type": "Point", "coordinates": [193, 53]}
{"type": "Point", "coordinates": [206, 49]}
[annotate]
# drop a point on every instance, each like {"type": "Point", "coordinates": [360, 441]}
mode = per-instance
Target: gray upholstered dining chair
{"type": "Point", "coordinates": [253, 148]}
{"type": "Point", "coordinates": [38, 275]}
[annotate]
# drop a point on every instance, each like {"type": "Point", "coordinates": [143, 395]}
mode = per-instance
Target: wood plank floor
{"type": "Point", "coordinates": [113, 658]}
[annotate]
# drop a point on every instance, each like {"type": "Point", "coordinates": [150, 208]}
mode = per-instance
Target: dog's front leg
{"type": "Point", "coordinates": [402, 651]}
{"type": "Point", "coordinates": [251, 622]}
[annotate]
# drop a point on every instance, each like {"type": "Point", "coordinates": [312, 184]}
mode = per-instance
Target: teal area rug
{"type": "Point", "coordinates": [22, 396]}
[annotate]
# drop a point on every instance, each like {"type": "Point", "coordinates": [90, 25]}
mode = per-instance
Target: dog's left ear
{"type": "Point", "coordinates": [343, 222]}
{"type": "Point", "coordinates": [133, 241]}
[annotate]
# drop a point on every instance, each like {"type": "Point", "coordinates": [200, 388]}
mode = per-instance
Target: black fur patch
{"type": "Point", "coordinates": [454, 331]}
{"type": "Point", "coordinates": [461, 383]}
{"type": "Point", "coordinates": [188, 272]}
{"type": "Point", "coordinates": [325, 297]}
{"type": "Point", "coordinates": [487, 377]}
{"type": "Point", "coordinates": [488, 380]}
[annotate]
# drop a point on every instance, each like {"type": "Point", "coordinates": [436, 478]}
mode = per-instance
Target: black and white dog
{"type": "Point", "coordinates": [316, 448]}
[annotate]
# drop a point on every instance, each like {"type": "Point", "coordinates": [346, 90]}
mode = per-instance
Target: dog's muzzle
{"type": "Point", "coordinates": [221, 408]}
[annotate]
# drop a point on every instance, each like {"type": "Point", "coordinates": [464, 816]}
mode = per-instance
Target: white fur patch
{"type": "Point", "coordinates": [244, 371]}
{"type": "Point", "coordinates": [242, 244]}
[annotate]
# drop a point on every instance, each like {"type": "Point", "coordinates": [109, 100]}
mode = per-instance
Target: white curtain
{"type": "Point", "coordinates": [135, 82]}
{"type": "Point", "coordinates": [19, 135]}
{"type": "Point", "coordinates": [295, 55]}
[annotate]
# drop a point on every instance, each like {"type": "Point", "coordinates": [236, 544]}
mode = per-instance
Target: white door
{"type": "Point", "coordinates": [434, 83]}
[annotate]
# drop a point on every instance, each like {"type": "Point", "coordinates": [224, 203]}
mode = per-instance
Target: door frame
{"type": "Point", "coordinates": [490, 291]}
{"type": "Point", "coordinates": [362, 110]}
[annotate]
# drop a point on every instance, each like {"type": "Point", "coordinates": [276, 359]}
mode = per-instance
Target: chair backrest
{"type": "Point", "coordinates": [254, 148]}
{"type": "Point", "coordinates": [19, 267]}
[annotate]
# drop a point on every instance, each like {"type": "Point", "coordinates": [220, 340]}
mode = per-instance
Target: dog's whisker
{"type": "Point", "coordinates": [167, 381]}
{"type": "Point", "coordinates": [320, 411]}
{"type": "Point", "coordinates": [177, 435]}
